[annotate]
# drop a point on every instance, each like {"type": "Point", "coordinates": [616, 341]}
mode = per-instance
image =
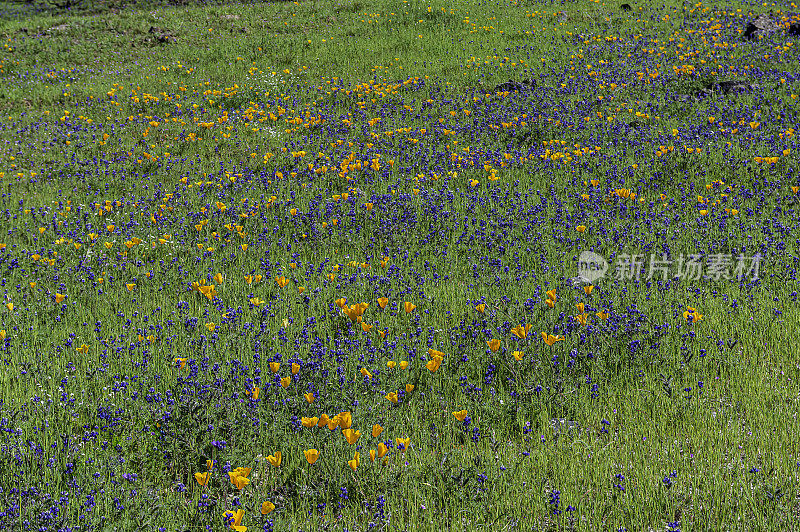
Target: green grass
{"type": "Point", "coordinates": [182, 130]}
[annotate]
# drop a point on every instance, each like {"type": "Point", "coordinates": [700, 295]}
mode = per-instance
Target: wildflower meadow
{"type": "Point", "coordinates": [399, 265]}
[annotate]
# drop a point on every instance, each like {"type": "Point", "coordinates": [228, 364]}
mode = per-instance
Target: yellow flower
{"type": "Point", "coordinates": [286, 381]}
{"type": "Point", "coordinates": [355, 462]}
{"type": "Point", "coordinates": [580, 307]}
{"type": "Point", "coordinates": [333, 423]}
{"type": "Point", "coordinates": [351, 435]}
{"type": "Point", "coordinates": [210, 327]}
{"type": "Point", "coordinates": [432, 365]}
{"type": "Point", "coordinates": [392, 396]}
{"type": "Point", "coordinates": [309, 397]}
{"type": "Point", "coordinates": [383, 301]}
{"type": "Point", "coordinates": [403, 443]}
{"type": "Point", "coordinates": [234, 520]}
{"type": "Point", "coordinates": [521, 331]}
{"type": "Point", "coordinates": [266, 507]}
{"type": "Point", "coordinates": [323, 420]}
{"type": "Point", "coordinates": [345, 420]}
{"type": "Point", "coordinates": [518, 355]}
{"type": "Point", "coordinates": [603, 315]}
{"type": "Point", "coordinates": [275, 460]}
{"type": "Point", "coordinates": [202, 478]}
{"type": "Point", "coordinates": [549, 339]}
{"type": "Point", "coordinates": [461, 415]}
{"type": "Point", "coordinates": [372, 454]}
{"type": "Point", "coordinates": [404, 364]}
{"type": "Point", "coordinates": [692, 316]}
{"type": "Point", "coordinates": [2, 335]}
{"type": "Point", "coordinates": [254, 393]}
{"type": "Point", "coordinates": [274, 366]}
{"type": "Point", "coordinates": [409, 307]}
{"type": "Point", "coordinates": [181, 362]}
{"type": "Point", "coordinates": [239, 478]}
{"type": "Point", "coordinates": [481, 308]}
{"type": "Point", "coordinates": [311, 455]}
{"type": "Point", "coordinates": [60, 298]}
{"type": "Point", "coordinates": [210, 464]}
{"type": "Point", "coordinates": [588, 289]}
{"type": "Point", "coordinates": [130, 287]}
{"type": "Point", "coordinates": [341, 302]}
{"type": "Point", "coordinates": [409, 388]}
{"type": "Point", "coordinates": [295, 368]}
{"type": "Point", "coordinates": [382, 450]}
{"type": "Point", "coordinates": [552, 295]}
{"type": "Point", "coordinates": [391, 364]}
{"type": "Point", "coordinates": [550, 303]}
{"type": "Point", "coordinates": [580, 228]}
{"type": "Point", "coordinates": [494, 344]}
{"type": "Point", "coordinates": [365, 327]}
{"type": "Point", "coordinates": [376, 430]}
{"type": "Point", "coordinates": [309, 422]}
{"type": "Point", "coordinates": [282, 281]}
{"type": "Point", "coordinates": [366, 373]}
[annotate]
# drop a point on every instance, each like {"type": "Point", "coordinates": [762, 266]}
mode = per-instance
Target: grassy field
{"type": "Point", "coordinates": [327, 230]}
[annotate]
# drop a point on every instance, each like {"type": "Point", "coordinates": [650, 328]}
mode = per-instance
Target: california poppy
{"type": "Point", "coordinates": [550, 303]}
{"type": "Point", "coordinates": [266, 507]}
{"type": "Point", "coordinates": [365, 372]}
{"type": "Point", "coordinates": [234, 520]}
{"type": "Point", "coordinates": [202, 478]}
{"type": "Point", "coordinates": [311, 455]}
{"type": "Point", "coordinates": [460, 415]}
{"type": "Point", "coordinates": [552, 295]}
{"type": "Point", "coordinates": [481, 308]}
{"type": "Point", "coordinates": [409, 388]}
{"type": "Point", "coordinates": [392, 396]}
{"type": "Point", "coordinates": [355, 462]}
{"type": "Point", "coordinates": [588, 289]}
{"type": "Point", "coordinates": [521, 331]}
{"type": "Point", "coordinates": [382, 450]}
{"type": "Point", "coordinates": [494, 344]}
{"type": "Point", "coordinates": [309, 397]}
{"type": "Point", "coordinates": [275, 459]}
{"type": "Point", "coordinates": [295, 368]}
{"type": "Point", "coordinates": [403, 443]}
{"type": "Point", "coordinates": [376, 430]}
{"type": "Point", "coordinates": [274, 366]}
{"type": "Point", "coordinates": [286, 381]}
{"type": "Point", "coordinates": [345, 420]}
{"type": "Point", "coordinates": [518, 355]}
{"type": "Point", "coordinates": [383, 301]}
{"type": "Point", "coordinates": [409, 307]}
{"type": "Point", "coordinates": [549, 339]}
{"type": "Point", "coordinates": [351, 435]}
{"type": "Point", "coordinates": [333, 423]}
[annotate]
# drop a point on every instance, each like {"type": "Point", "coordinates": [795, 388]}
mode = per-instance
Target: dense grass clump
{"type": "Point", "coordinates": [315, 265]}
